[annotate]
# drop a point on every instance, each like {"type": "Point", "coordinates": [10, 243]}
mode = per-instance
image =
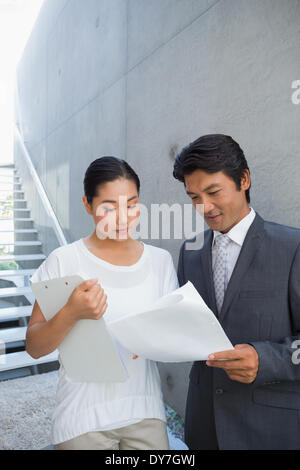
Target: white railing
{"type": "Point", "coordinates": [41, 191]}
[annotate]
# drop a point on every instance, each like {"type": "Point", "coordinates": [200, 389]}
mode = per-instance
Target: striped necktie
{"type": "Point", "coordinates": [222, 242]}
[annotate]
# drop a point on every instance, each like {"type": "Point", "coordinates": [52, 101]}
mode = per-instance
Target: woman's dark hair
{"type": "Point", "coordinates": [212, 153]}
{"type": "Point", "coordinates": [106, 169]}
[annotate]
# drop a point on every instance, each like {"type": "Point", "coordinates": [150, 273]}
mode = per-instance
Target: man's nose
{"type": "Point", "coordinates": [208, 207]}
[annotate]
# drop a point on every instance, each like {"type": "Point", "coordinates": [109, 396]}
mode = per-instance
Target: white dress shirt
{"type": "Point", "coordinates": [237, 236]}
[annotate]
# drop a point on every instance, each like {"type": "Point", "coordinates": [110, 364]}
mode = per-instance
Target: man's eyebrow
{"type": "Point", "coordinates": [114, 202]}
{"type": "Point", "coordinates": [211, 186]}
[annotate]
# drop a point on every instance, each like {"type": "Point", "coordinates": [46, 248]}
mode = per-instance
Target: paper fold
{"type": "Point", "coordinates": [180, 327]}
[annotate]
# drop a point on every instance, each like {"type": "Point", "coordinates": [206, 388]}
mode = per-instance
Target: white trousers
{"type": "Point", "coordinates": [149, 434]}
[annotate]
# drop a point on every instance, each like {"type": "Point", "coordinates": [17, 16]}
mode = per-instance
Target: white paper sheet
{"type": "Point", "coordinates": [180, 327]}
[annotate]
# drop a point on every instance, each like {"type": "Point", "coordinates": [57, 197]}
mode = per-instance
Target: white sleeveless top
{"type": "Point", "coordinates": [85, 407]}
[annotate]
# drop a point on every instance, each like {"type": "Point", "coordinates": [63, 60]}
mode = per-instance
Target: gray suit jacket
{"type": "Point", "coordinates": [261, 307]}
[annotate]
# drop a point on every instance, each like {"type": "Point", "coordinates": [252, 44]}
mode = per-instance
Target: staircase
{"type": "Point", "coordinates": [20, 255]}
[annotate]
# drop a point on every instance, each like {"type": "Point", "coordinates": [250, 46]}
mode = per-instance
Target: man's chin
{"type": "Point", "coordinates": [215, 223]}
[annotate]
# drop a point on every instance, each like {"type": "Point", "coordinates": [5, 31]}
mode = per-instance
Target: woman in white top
{"type": "Point", "coordinates": [123, 275]}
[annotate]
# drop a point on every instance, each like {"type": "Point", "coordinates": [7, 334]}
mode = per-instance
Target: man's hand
{"type": "Point", "coordinates": [240, 364]}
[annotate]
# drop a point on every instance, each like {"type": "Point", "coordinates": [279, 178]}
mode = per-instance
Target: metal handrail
{"type": "Point", "coordinates": [42, 193]}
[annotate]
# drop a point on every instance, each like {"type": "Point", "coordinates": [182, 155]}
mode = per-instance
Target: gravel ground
{"type": "Point", "coordinates": [27, 405]}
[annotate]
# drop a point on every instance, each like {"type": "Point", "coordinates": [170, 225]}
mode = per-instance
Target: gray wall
{"type": "Point", "coordinates": [140, 79]}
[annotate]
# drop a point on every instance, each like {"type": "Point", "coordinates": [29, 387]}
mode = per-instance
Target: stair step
{"type": "Point", "coordinates": [19, 204]}
{"type": "Point", "coordinates": [11, 187]}
{"type": "Point", "coordinates": [22, 212]}
{"type": "Point", "coordinates": [21, 223]}
{"type": "Point", "coordinates": [28, 243]}
{"type": "Point", "coordinates": [22, 359]}
{"type": "Point", "coordinates": [10, 177]}
{"type": "Point", "coordinates": [15, 374]}
{"type": "Point", "coordinates": [13, 313]}
{"type": "Point", "coordinates": [9, 335]}
{"type": "Point", "coordinates": [22, 257]}
{"type": "Point", "coordinates": [16, 272]}
{"type": "Point", "coordinates": [22, 235]}
{"type": "Point", "coordinates": [12, 193]}
{"type": "Point", "coordinates": [14, 291]}
{"type": "Point", "coordinates": [21, 246]}
{"type": "Point", "coordinates": [21, 230]}
{"type": "Point", "coordinates": [11, 190]}
{"type": "Point", "coordinates": [10, 218]}
{"type": "Point", "coordinates": [21, 219]}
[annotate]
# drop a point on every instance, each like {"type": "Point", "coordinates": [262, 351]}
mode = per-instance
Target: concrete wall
{"type": "Point", "coordinates": [141, 78]}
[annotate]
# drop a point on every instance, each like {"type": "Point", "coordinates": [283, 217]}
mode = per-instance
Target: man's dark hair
{"type": "Point", "coordinates": [212, 153]}
{"type": "Point", "coordinates": [106, 169]}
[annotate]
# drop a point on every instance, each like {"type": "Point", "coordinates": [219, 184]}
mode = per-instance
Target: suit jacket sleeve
{"type": "Point", "coordinates": [281, 361]}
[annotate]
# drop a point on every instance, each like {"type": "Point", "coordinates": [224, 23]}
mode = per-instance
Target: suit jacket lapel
{"type": "Point", "coordinates": [248, 251]}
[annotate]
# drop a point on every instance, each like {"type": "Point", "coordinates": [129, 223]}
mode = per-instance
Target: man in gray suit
{"type": "Point", "coordinates": [248, 273]}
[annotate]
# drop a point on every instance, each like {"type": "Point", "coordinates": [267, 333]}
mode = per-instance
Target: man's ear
{"type": "Point", "coordinates": [246, 180]}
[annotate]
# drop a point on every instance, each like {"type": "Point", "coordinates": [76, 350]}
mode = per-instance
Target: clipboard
{"type": "Point", "coordinates": [88, 353]}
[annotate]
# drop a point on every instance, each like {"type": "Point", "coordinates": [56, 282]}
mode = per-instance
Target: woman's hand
{"type": "Point", "coordinates": [87, 301]}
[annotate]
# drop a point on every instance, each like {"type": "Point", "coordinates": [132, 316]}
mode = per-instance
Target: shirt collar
{"type": "Point", "coordinates": [239, 231]}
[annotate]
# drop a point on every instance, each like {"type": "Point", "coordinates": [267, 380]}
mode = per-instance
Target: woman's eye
{"type": "Point", "coordinates": [108, 209]}
{"type": "Point", "coordinates": [214, 192]}
{"type": "Point", "coordinates": [132, 208]}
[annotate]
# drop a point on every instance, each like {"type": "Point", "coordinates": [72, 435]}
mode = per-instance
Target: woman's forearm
{"type": "Point", "coordinates": [42, 338]}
